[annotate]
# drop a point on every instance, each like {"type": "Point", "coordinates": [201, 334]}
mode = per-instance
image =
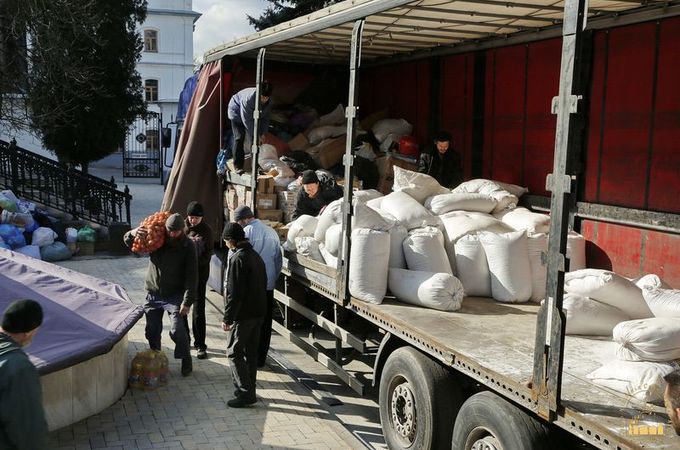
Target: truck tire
{"type": "Point", "coordinates": [418, 401]}
{"type": "Point", "coordinates": [487, 421]}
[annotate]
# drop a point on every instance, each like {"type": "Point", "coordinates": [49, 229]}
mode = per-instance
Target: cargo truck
{"type": "Point", "coordinates": [579, 102]}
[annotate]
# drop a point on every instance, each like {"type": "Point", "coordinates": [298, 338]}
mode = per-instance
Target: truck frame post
{"type": "Point", "coordinates": [255, 149]}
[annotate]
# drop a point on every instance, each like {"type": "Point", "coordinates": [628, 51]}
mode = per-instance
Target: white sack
{"type": "Point", "coordinates": [365, 195]}
{"type": "Point", "coordinates": [656, 339]}
{"type": "Point", "coordinates": [328, 258]}
{"type": "Point", "coordinates": [472, 266]}
{"type": "Point", "coordinates": [514, 189]}
{"type": "Point", "coordinates": [407, 210]}
{"type": "Point", "coordinates": [43, 236]}
{"type": "Point", "coordinates": [333, 239]}
{"type": "Point", "coordinates": [330, 215]}
{"type": "Point", "coordinates": [642, 380]}
{"type": "Point", "coordinates": [284, 172]}
{"type": "Point", "coordinates": [576, 251]}
{"type": "Point", "coordinates": [302, 226]}
{"type": "Point", "coordinates": [538, 245]}
{"type": "Point", "coordinates": [71, 235]}
{"type": "Point", "coordinates": [662, 302]}
{"type": "Point", "coordinates": [391, 140]}
{"type": "Point", "coordinates": [368, 265]}
{"type": "Point", "coordinates": [375, 203]}
{"type": "Point", "coordinates": [29, 250]}
{"type": "Point", "coordinates": [367, 217]}
{"type": "Point", "coordinates": [335, 117]}
{"type": "Point", "coordinates": [420, 186]}
{"type": "Point", "coordinates": [610, 288]}
{"type": "Point", "coordinates": [397, 236]}
{"type": "Point", "coordinates": [424, 251]}
{"type": "Point", "coordinates": [588, 317]}
{"type": "Point", "coordinates": [650, 281]}
{"type": "Point", "coordinates": [463, 201]}
{"type": "Point", "coordinates": [384, 127]}
{"type": "Point", "coordinates": [508, 258]}
{"type": "Point", "coordinates": [267, 151]}
{"type": "Point", "coordinates": [318, 134]}
{"type": "Point", "coordinates": [440, 291]}
{"type": "Point", "coordinates": [504, 198]}
{"type": "Point", "coordinates": [521, 218]}
{"type": "Point", "coordinates": [309, 247]}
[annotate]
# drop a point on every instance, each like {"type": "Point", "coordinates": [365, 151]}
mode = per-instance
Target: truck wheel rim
{"type": "Point", "coordinates": [403, 412]}
{"type": "Point", "coordinates": [481, 438]}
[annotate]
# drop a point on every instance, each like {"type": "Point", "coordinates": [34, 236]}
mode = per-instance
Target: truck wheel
{"type": "Point", "coordinates": [418, 401]}
{"type": "Point", "coordinates": [489, 422]}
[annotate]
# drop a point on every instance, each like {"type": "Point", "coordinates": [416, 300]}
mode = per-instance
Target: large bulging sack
{"type": "Point", "coordinates": [368, 265]}
{"type": "Point", "coordinates": [589, 317]}
{"type": "Point", "coordinates": [508, 258]}
{"type": "Point", "coordinates": [610, 288]}
{"type": "Point", "coordinates": [56, 251]}
{"type": "Point", "coordinates": [662, 302]}
{"type": "Point", "coordinates": [366, 217]}
{"type": "Point", "coordinates": [656, 339]}
{"type": "Point", "coordinates": [366, 195]}
{"type": "Point", "coordinates": [420, 186]}
{"type": "Point", "coordinates": [43, 236]}
{"type": "Point", "coordinates": [501, 192]}
{"type": "Point", "coordinates": [407, 210]}
{"type": "Point", "coordinates": [397, 236]}
{"type": "Point", "coordinates": [576, 251]}
{"type": "Point", "coordinates": [29, 250]}
{"type": "Point", "coordinates": [333, 239]}
{"type": "Point", "coordinates": [650, 281]}
{"type": "Point", "coordinates": [329, 259]}
{"type": "Point", "coordinates": [330, 215]}
{"type": "Point", "coordinates": [424, 251]}
{"type": "Point", "coordinates": [642, 380]}
{"type": "Point", "coordinates": [521, 218]}
{"type": "Point", "coordinates": [538, 245]}
{"type": "Point", "coordinates": [440, 291]}
{"type": "Point", "coordinates": [464, 201]}
{"type": "Point", "coordinates": [472, 267]}
{"type": "Point", "coordinates": [302, 226]}
{"type": "Point", "coordinates": [309, 247]}
{"type": "Point", "coordinates": [384, 127]}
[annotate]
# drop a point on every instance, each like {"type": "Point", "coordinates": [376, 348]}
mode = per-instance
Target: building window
{"type": "Point", "coordinates": [151, 90]}
{"type": "Point", "coordinates": [152, 140]}
{"type": "Point", "coordinates": [151, 41]}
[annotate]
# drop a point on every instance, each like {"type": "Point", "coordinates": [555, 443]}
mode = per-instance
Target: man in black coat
{"type": "Point", "coordinates": [442, 162]}
{"type": "Point", "coordinates": [315, 195]}
{"type": "Point", "coordinates": [245, 297]}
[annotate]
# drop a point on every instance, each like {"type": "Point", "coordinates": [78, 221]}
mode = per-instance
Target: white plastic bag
{"type": "Point", "coordinates": [302, 226]}
{"type": "Point", "coordinates": [642, 380]}
{"type": "Point", "coordinates": [309, 247]}
{"type": "Point", "coordinates": [384, 127]}
{"type": "Point", "coordinates": [43, 236]}
{"type": "Point", "coordinates": [424, 251]}
{"type": "Point", "coordinates": [71, 235]}
{"type": "Point", "coordinates": [267, 151]}
{"type": "Point", "coordinates": [335, 117]}
{"type": "Point", "coordinates": [472, 267]}
{"type": "Point", "coordinates": [368, 265]}
{"type": "Point", "coordinates": [656, 339]}
{"type": "Point", "coordinates": [440, 291]}
{"type": "Point", "coordinates": [508, 258]}
{"type": "Point", "coordinates": [463, 201]}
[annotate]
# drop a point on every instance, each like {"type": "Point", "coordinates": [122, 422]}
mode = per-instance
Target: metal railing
{"type": "Point", "coordinates": [42, 180]}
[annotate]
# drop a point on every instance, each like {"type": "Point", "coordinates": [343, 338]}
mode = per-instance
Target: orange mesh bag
{"type": "Point", "coordinates": [155, 236]}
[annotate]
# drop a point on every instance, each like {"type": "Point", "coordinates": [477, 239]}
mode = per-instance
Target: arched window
{"type": "Point", "coordinates": [151, 41]}
{"type": "Point", "coordinates": [151, 90]}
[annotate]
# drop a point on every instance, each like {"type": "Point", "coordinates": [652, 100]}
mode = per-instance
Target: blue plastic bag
{"type": "Point", "coordinates": [12, 236]}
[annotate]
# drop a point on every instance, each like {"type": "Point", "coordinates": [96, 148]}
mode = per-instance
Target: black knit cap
{"type": "Point", "coordinates": [195, 209]}
{"type": "Point", "coordinates": [233, 231]}
{"type": "Point", "coordinates": [309, 176]}
{"type": "Point", "coordinates": [22, 316]}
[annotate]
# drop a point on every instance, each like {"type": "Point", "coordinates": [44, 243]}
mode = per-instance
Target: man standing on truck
{"type": "Point", "coordinates": [266, 243]}
{"type": "Point", "coordinates": [314, 195]}
{"type": "Point", "coordinates": [241, 113]}
{"type": "Point", "coordinates": [441, 161]}
{"type": "Point", "coordinates": [245, 299]}
{"type": "Point", "coordinates": [671, 399]}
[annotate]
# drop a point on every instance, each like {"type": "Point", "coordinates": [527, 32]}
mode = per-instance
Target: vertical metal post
{"type": "Point", "coordinates": [161, 163]}
{"type": "Point", "coordinates": [255, 149]}
{"type": "Point", "coordinates": [549, 345]}
{"type": "Point", "coordinates": [348, 159]}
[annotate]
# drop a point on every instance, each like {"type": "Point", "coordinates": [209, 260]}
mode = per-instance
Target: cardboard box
{"type": "Point", "coordinates": [299, 142]}
{"type": "Point", "coordinates": [275, 215]}
{"type": "Point", "coordinates": [264, 201]}
{"type": "Point", "coordinates": [329, 152]}
{"type": "Point", "coordinates": [282, 232]}
{"type": "Point", "coordinates": [386, 170]}
{"type": "Point", "coordinates": [265, 184]}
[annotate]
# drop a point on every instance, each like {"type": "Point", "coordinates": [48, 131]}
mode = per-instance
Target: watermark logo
{"type": "Point", "coordinates": [645, 420]}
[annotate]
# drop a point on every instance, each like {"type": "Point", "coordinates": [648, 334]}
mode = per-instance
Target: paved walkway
{"type": "Point", "coordinates": [191, 412]}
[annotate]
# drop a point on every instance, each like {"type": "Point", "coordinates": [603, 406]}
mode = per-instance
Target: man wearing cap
{"type": "Point", "coordinates": [245, 299]}
{"type": "Point", "coordinates": [201, 234]}
{"type": "Point", "coordinates": [266, 243]}
{"type": "Point", "coordinates": [171, 287]}
{"type": "Point", "coordinates": [441, 161]}
{"type": "Point", "coordinates": [22, 418]}
{"type": "Point", "coordinates": [314, 195]}
{"type": "Point", "coordinates": [241, 113]}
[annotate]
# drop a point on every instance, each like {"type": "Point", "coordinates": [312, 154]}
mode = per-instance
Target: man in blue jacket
{"type": "Point", "coordinates": [241, 113]}
{"type": "Point", "coordinates": [22, 418]}
{"type": "Point", "coordinates": [266, 243]}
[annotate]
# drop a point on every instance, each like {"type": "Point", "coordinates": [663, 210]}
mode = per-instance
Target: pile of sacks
{"type": "Point", "coordinates": [431, 246]}
{"type": "Point", "coordinates": [643, 318]}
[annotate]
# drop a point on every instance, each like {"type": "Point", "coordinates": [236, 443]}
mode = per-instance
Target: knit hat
{"type": "Point", "coordinates": [243, 212]}
{"type": "Point", "coordinates": [174, 222]}
{"type": "Point", "coordinates": [309, 176]}
{"type": "Point", "coordinates": [233, 231]}
{"type": "Point", "coordinates": [195, 209]}
{"type": "Point", "coordinates": [22, 316]}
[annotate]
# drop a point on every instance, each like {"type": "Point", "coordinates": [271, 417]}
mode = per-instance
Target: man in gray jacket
{"type": "Point", "coordinates": [22, 418]}
{"type": "Point", "coordinates": [241, 113]}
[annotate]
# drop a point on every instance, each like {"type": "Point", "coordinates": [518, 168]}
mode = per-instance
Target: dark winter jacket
{"type": "Point", "coordinates": [202, 236]}
{"type": "Point", "coordinates": [22, 418]}
{"type": "Point", "coordinates": [173, 270]}
{"type": "Point", "coordinates": [312, 206]}
{"type": "Point", "coordinates": [245, 293]}
{"type": "Point", "coordinates": [443, 168]}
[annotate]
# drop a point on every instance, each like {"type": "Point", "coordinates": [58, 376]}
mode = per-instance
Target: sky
{"type": "Point", "coordinates": [223, 21]}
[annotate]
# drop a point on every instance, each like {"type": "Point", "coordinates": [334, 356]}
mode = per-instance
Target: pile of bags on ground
{"type": "Point", "coordinates": [431, 246]}
{"type": "Point", "coordinates": [26, 229]}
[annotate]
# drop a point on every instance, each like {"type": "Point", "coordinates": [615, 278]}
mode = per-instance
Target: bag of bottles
{"type": "Point", "coordinates": [148, 370]}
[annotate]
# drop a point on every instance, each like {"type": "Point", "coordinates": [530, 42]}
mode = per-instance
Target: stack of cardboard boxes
{"type": "Point", "coordinates": [237, 195]}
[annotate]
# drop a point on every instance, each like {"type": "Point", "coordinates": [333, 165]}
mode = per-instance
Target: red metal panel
{"type": "Point", "coordinates": [613, 247]}
{"type": "Point", "coordinates": [423, 87]}
{"type": "Point", "coordinates": [664, 181]}
{"type": "Point", "coordinates": [627, 115]}
{"type": "Point", "coordinates": [662, 256]}
{"type": "Point", "coordinates": [543, 73]}
{"type": "Point", "coordinates": [456, 104]}
{"type": "Point", "coordinates": [592, 174]}
{"type": "Point", "coordinates": [489, 114]}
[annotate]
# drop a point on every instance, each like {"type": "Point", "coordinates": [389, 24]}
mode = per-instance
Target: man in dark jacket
{"type": "Point", "coordinates": [201, 234]}
{"type": "Point", "coordinates": [22, 418]}
{"type": "Point", "coordinates": [315, 195]}
{"type": "Point", "coordinates": [171, 286]}
{"type": "Point", "coordinates": [245, 298]}
{"type": "Point", "coordinates": [442, 162]}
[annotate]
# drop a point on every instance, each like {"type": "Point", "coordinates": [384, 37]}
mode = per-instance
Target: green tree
{"type": "Point", "coordinates": [283, 11]}
{"type": "Point", "coordinates": [83, 90]}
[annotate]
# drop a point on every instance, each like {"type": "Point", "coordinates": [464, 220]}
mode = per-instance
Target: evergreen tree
{"type": "Point", "coordinates": [283, 11]}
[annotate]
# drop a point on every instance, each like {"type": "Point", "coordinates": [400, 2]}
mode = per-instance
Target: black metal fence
{"type": "Point", "coordinates": [142, 150]}
{"type": "Point", "coordinates": [42, 180]}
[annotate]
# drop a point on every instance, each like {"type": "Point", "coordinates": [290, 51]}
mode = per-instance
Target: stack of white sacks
{"type": "Point", "coordinates": [642, 316]}
{"type": "Point", "coordinates": [431, 246]}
